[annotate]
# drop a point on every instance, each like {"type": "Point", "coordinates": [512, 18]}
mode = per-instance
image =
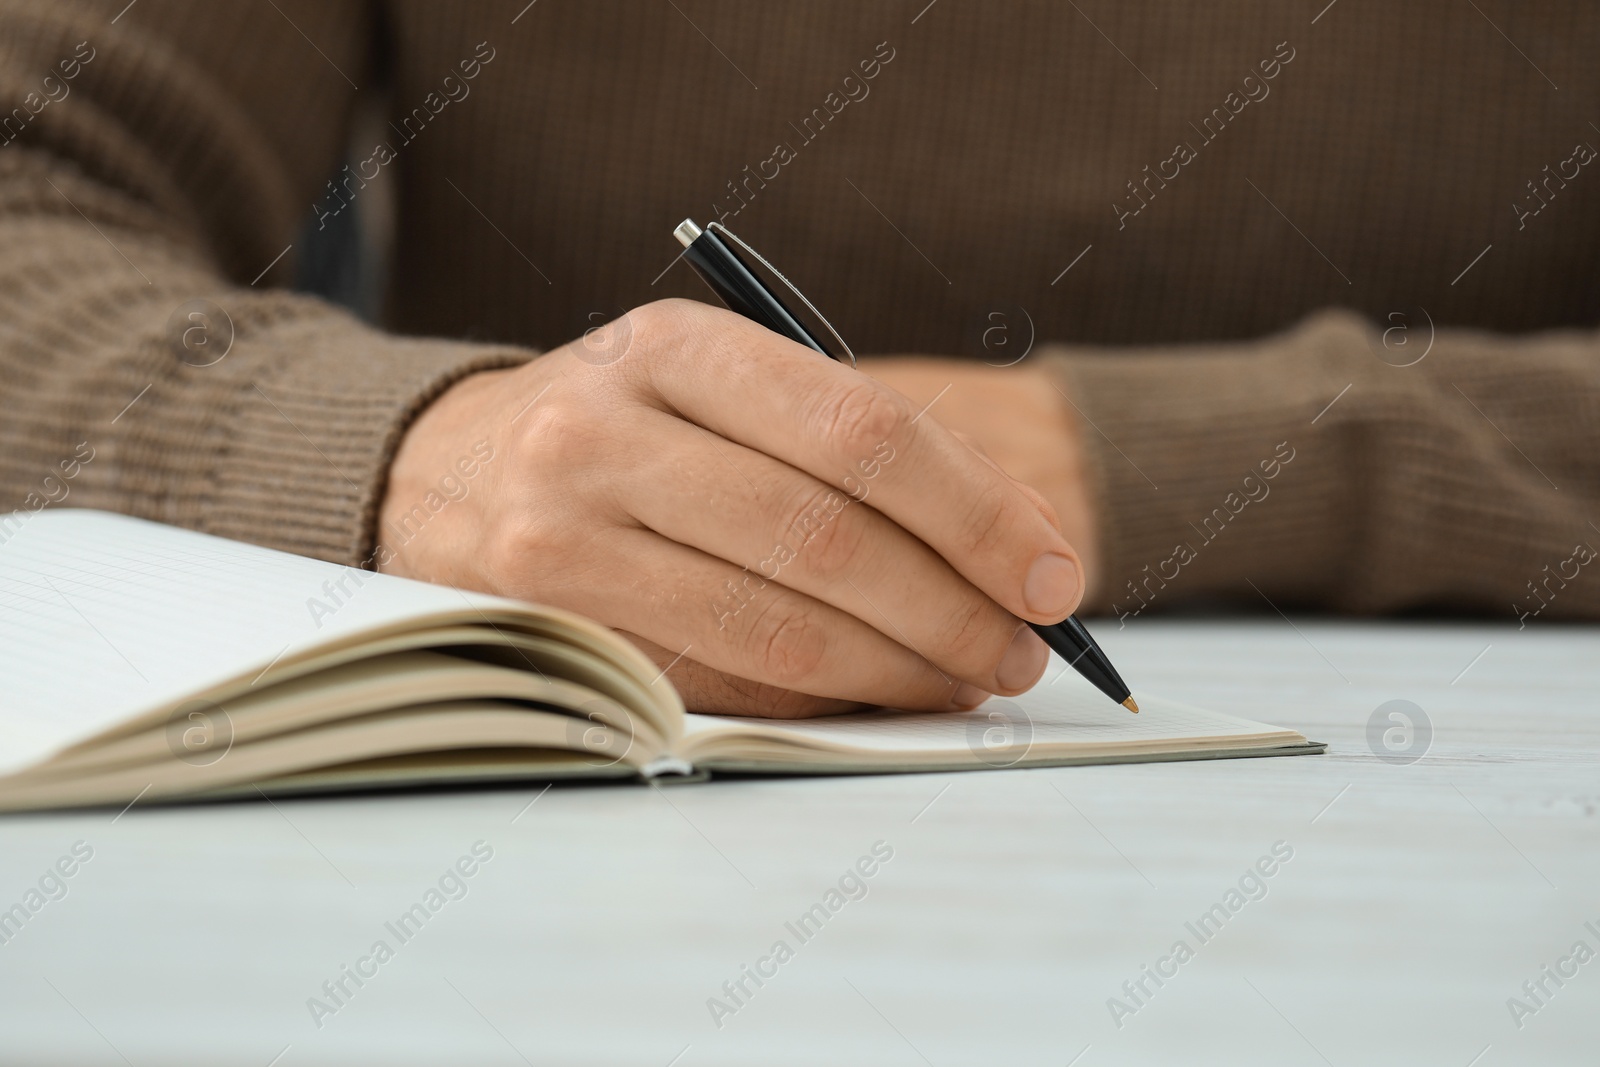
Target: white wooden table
{"type": "Point", "coordinates": [1419, 898]}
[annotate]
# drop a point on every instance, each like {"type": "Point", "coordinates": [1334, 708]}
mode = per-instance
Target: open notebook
{"type": "Point", "coordinates": [144, 661]}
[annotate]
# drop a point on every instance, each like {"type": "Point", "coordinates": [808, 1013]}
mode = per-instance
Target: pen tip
{"type": "Point", "coordinates": [1131, 705]}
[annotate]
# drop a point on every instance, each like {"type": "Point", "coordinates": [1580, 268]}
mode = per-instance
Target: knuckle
{"type": "Point", "coordinates": [559, 433]}
{"type": "Point", "coordinates": [859, 416]}
{"type": "Point", "coordinates": [1043, 506]}
{"type": "Point", "coordinates": [970, 636]}
{"type": "Point", "coordinates": [506, 551]}
{"type": "Point", "coordinates": [827, 537]}
{"type": "Point", "coordinates": [989, 521]}
{"type": "Point", "coordinates": [787, 644]}
{"type": "Point", "coordinates": [659, 316]}
{"type": "Point", "coordinates": [664, 326]}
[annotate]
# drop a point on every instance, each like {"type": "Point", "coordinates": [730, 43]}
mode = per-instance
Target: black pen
{"type": "Point", "coordinates": [738, 287]}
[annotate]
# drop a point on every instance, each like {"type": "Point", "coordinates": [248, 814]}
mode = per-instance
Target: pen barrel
{"type": "Point", "coordinates": [737, 286]}
{"type": "Point", "coordinates": [1069, 640]}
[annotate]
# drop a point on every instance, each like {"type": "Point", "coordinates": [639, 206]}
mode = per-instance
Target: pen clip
{"type": "Point", "coordinates": [787, 284]}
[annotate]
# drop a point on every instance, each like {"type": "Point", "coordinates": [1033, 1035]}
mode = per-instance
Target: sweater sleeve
{"type": "Point", "coordinates": [153, 174]}
{"type": "Point", "coordinates": [1339, 467]}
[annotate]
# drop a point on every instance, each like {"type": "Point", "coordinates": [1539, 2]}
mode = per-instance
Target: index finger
{"type": "Point", "coordinates": [748, 384]}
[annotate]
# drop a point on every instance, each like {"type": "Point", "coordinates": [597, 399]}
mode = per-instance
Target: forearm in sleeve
{"type": "Point", "coordinates": [157, 184]}
{"type": "Point", "coordinates": [1309, 469]}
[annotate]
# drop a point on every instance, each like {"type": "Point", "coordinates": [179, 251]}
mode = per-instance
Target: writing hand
{"type": "Point", "coordinates": [784, 530]}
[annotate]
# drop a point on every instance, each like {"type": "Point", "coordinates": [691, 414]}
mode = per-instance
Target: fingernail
{"type": "Point", "coordinates": [968, 697]}
{"type": "Point", "coordinates": [1052, 585]}
{"type": "Point", "coordinates": [1023, 662]}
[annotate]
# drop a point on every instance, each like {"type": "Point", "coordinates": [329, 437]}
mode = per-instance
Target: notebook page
{"type": "Point", "coordinates": [103, 617]}
{"type": "Point", "coordinates": [1066, 711]}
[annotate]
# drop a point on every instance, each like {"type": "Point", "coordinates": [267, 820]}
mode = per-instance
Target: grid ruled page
{"type": "Point", "coordinates": [1068, 711]}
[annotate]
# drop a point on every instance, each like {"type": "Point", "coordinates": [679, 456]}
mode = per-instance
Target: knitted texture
{"type": "Point", "coordinates": [1233, 232]}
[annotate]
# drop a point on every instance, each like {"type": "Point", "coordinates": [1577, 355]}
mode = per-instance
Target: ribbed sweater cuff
{"type": "Point", "coordinates": [295, 450]}
{"type": "Point", "coordinates": [1209, 474]}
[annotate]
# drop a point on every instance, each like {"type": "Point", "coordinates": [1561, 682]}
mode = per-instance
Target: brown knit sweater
{"type": "Point", "coordinates": [1205, 216]}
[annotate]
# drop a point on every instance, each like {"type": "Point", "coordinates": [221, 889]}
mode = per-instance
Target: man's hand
{"type": "Point", "coordinates": [1018, 417]}
{"type": "Point", "coordinates": [785, 532]}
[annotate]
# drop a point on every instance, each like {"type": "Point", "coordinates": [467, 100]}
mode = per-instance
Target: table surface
{"type": "Point", "coordinates": [1419, 898]}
